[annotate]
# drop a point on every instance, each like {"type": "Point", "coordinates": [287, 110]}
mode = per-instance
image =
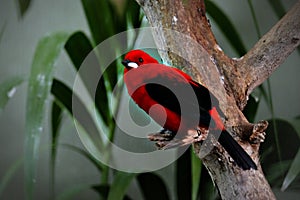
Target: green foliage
{"type": "Point", "coordinates": [150, 182]}
{"type": "Point", "coordinates": [196, 174]}
{"type": "Point", "coordinates": [226, 27]}
{"type": "Point", "coordinates": [23, 6]}
{"type": "Point", "coordinates": [184, 176]}
{"type": "Point", "coordinates": [192, 180]}
{"type": "Point", "coordinates": [2, 32]}
{"type": "Point", "coordinates": [292, 172]}
{"type": "Point", "coordinates": [8, 89]}
{"type": "Point", "coordinates": [9, 174]}
{"type": "Point", "coordinates": [78, 48]}
{"type": "Point", "coordinates": [119, 185]}
{"type": "Point", "coordinates": [40, 80]}
{"type": "Point", "coordinates": [269, 157]}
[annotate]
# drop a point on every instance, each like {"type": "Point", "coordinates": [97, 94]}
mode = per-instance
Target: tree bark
{"type": "Point", "coordinates": [183, 37]}
{"type": "Point", "coordinates": [271, 50]}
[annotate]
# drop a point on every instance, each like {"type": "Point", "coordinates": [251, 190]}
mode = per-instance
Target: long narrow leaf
{"type": "Point", "coordinates": [102, 189]}
{"type": "Point", "coordinates": [78, 48]}
{"type": "Point", "coordinates": [250, 109]}
{"type": "Point", "coordinates": [40, 80]}
{"type": "Point", "coordinates": [95, 162]}
{"type": "Point", "coordinates": [269, 157]}
{"type": "Point", "coordinates": [184, 176]}
{"type": "Point", "coordinates": [132, 14]}
{"type": "Point", "coordinates": [196, 175]}
{"type": "Point", "coordinates": [9, 174]}
{"type": "Point", "coordinates": [119, 186]}
{"type": "Point", "coordinates": [23, 6]}
{"type": "Point", "coordinates": [293, 172]}
{"type": "Point", "coordinates": [207, 189]}
{"type": "Point", "coordinates": [277, 7]}
{"type": "Point", "coordinates": [295, 166]}
{"type": "Point", "coordinates": [66, 97]}
{"type": "Point", "coordinates": [100, 19]}
{"type": "Point", "coordinates": [56, 117]}
{"type": "Point", "coordinates": [152, 186]}
{"type": "Point", "coordinates": [2, 31]}
{"type": "Point", "coordinates": [8, 89]}
{"type": "Point", "coordinates": [226, 27]}
{"type": "Point", "coordinates": [71, 192]}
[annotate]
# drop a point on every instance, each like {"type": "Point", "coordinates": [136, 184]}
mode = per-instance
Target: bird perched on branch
{"type": "Point", "coordinates": [179, 104]}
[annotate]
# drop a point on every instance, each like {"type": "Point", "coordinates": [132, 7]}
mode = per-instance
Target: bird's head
{"type": "Point", "coordinates": [136, 58]}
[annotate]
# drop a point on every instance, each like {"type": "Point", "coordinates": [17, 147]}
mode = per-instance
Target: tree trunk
{"type": "Point", "coordinates": [183, 37]}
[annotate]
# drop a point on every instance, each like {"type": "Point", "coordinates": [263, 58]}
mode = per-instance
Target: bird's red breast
{"type": "Point", "coordinates": [136, 81]}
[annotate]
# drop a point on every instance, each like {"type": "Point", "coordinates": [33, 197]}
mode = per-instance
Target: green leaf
{"type": "Point", "coordinates": [250, 109]}
{"type": "Point", "coordinates": [2, 31]}
{"type": "Point", "coordinates": [103, 25]}
{"type": "Point", "coordinates": [277, 7]}
{"type": "Point", "coordinates": [152, 186]}
{"type": "Point", "coordinates": [94, 161]}
{"type": "Point", "coordinates": [119, 186]}
{"type": "Point", "coordinates": [196, 174]}
{"type": "Point", "coordinates": [78, 48]}
{"type": "Point", "coordinates": [226, 27]}
{"type": "Point", "coordinates": [9, 174]}
{"type": "Point", "coordinates": [296, 124]}
{"type": "Point", "coordinates": [8, 89]}
{"type": "Point", "coordinates": [268, 150]}
{"type": "Point", "coordinates": [184, 176]}
{"type": "Point", "coordinates": [275, 173]}
{"type": "Point", "coordinates": [46, 53]}
{"type": "Point", "coordinates": [65, 96]}
{"type": "Point", "coordinates": [23, 6]}
{"type": "Point", "coordinates": [56, 117]}
{"type": "Point", "coordinates": [133, 16]}
{"type": "Point", "coordinates": [293, 172]}
{"type": "Point", "coordinates": [100, 19]}
{"type": "Point", "coordinates": [102, 189]}
{"type": "Point", "coordinates": [264, 94]}
{"type": "Point", "coordinates": [207, 189]}
{"type": "Point", "coordinates": [72, 192]}
{"type": "Point", "coordinates": [254, 19]}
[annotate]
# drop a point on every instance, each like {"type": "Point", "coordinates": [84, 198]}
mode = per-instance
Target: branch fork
{"type": "Point", "coordinates": [239, 78]}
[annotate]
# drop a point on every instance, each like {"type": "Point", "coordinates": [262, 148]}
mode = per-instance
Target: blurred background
{"type": "Point", "coordinates": [20, 34]}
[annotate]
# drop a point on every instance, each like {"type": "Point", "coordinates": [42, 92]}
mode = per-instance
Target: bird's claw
{"type": "Point", "coordinates": [199, 135]}
{"type": "Point", "coordinates": [258, 134]}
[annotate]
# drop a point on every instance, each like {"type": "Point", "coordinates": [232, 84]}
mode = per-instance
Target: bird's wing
{"type": "Point", "coordinates": [176, 91]}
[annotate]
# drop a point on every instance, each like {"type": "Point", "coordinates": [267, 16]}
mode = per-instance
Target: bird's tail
{"type": "Point", "coordinates": [238, 154]}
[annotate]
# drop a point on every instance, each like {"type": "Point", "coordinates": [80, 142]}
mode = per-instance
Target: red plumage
{"type": "Point", "coordinates": [176, 102]}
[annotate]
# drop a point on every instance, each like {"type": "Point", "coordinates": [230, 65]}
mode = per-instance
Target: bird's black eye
{"type": "Point", "coordinates": [141, 60]}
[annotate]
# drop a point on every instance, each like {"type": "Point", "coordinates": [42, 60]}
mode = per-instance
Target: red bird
{"type": "Point", "coordinates": [158, 89]}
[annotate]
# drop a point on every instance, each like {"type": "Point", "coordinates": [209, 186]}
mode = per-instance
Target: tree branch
{"type": "Point", "coordinates": [184, 39]}
{"type": "Point", "coordinates": [271, 50]}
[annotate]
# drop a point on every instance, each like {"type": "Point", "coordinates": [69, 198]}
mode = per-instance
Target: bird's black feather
{"type": "Point", "coordinates": [193, 108]}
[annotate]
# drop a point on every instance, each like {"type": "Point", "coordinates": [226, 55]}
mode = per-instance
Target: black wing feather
{"type": "Point", "coordinates": [193, 110]}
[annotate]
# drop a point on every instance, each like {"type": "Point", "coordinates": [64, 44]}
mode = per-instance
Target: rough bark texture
{"type": "Point", "coordinates": [230, 80]}
{"type": "Point", "coordinates": [271, 50]}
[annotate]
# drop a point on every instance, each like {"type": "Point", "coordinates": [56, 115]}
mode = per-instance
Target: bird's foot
{"type": "Point", "coordinates": [162, 138]}
{"type": "Point", "coordinates": [163, 135]}
{"type": "Point", "coordinates": [198, 135]}
{"type": "Point", "coordinates": [258, 134]}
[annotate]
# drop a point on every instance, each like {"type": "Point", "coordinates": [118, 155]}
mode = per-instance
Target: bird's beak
{"type": "Point", "coordinates": [129, 64]}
